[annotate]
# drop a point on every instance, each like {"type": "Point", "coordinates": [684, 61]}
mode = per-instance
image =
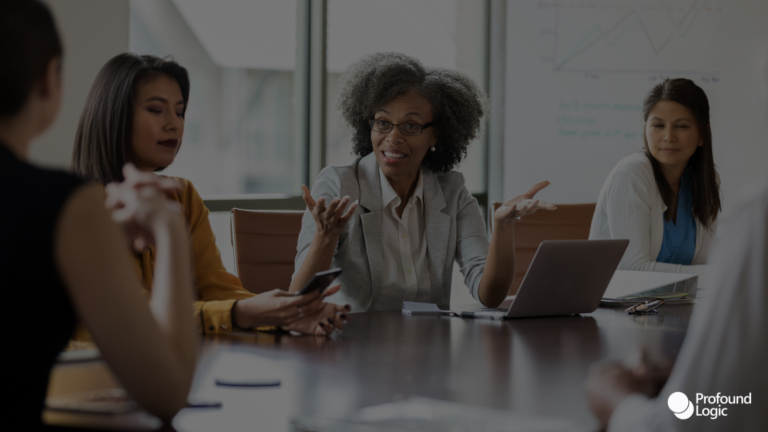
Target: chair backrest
{"type": "Point", "coordinates": [568, 222]}
{"type": "Point", "coordinates": [264, 244]}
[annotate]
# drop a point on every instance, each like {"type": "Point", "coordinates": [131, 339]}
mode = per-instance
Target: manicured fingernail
{"type": "Point", "coordinates": [343, 316]}
{"type": "Point", "coordinates": [348, 307]}
{"type": "Point", "coordinates": [330, 320]}
{"type": "Point", "coordinates": [321, 324]}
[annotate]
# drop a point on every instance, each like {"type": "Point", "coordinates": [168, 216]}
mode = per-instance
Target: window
{"type": "Point", "coordinates": [440, 33]}
{"type": "Point", "coordinates": [241, 57]}
{"type": "Point", "coordinates": [249, 139]}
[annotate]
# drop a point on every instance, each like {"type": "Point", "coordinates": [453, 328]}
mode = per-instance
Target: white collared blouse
{"type": "Point", "coordinates": [406, 267]}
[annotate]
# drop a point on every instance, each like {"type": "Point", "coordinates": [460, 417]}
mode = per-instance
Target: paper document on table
{"type": "Point", "coordinates": [419, 414]}
{"type": "Point", "coordinates": [102, 401]}
{"type": "Point", "coordinates": [634, 285]}
{"type": "Point", "coordinates": [79, 355]}
{"type": "Point", "coordinates": [417, 308]}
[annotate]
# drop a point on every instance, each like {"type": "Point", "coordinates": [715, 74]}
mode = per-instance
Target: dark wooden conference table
{"type": "Point", "coordinates": [535, 366]}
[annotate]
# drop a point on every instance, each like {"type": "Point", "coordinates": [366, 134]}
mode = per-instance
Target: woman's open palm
{"type": "Point", "coordinates": [330, 219]}
{"type": "Point", "coordinates": [521, 205]}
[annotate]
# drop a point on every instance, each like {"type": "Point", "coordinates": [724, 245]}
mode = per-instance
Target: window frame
{"type": "Point", "coordinates": [310, 84]}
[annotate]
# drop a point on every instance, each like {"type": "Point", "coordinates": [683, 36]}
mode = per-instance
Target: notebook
{"type": "Point", "coordinates": [634, 286]}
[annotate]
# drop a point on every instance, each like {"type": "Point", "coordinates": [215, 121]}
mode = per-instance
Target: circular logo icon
{"type": "Point", "coordinates": [680, 405]}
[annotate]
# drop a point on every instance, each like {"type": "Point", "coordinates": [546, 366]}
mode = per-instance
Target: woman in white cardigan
{"type": "Point", "coordinates": [666, 199]}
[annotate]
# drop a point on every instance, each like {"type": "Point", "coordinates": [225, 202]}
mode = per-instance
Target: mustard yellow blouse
{"type": "Point", "coordinates": [217, 290]}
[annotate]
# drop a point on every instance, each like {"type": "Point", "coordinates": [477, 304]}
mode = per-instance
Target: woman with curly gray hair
{"type": "Point", "coordinates": [411, 216]}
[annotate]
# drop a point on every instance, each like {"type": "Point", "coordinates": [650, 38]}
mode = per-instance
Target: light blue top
{"type": "Point", "coordinates": [679, 243]}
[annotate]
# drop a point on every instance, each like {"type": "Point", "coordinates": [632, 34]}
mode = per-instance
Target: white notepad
{"type": "Point", "coordinates": [434, 415]}
{"type": "Point", "coordinates": [416, 308]}
{"type": "Point", "coordinates": [631, 284]}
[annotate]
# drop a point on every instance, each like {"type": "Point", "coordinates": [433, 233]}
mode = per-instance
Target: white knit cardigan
{"type": "Point", "coordinates": [630, 207]}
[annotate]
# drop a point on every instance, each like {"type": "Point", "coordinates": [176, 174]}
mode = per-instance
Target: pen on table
{"type": "Point", "coordinates": [648, 306]}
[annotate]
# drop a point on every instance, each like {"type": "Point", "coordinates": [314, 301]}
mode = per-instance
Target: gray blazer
{"type": "Point", "coordinates": [455, 231]}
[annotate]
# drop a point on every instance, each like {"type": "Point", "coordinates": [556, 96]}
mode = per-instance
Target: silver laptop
{"type": "Point", "coordinates": [566, 277]}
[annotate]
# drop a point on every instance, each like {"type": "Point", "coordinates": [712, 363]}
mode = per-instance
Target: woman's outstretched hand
{"type": "Point", "coordinates": [522, 205]}
{"type": "Point", "coordinates": [330, 219]}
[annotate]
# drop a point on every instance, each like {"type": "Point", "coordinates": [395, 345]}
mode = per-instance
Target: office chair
{"type": "Point", "coordinates": [568, 222]}
{"type": "Point", "coordinates": [264, 244]}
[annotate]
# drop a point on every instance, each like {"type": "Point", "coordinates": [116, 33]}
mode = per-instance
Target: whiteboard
{"type": "Point", "coordinates": [577, 73]}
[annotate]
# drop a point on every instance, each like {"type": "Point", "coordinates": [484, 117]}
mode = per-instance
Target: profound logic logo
{"type": "Point", "coordinates": [680, 405]}
{"type": "Point", "coordinates": [683, 409]}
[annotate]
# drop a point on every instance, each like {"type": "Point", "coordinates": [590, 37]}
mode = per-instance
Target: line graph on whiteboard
{"type": "Point", "coordinates": [672, 37]}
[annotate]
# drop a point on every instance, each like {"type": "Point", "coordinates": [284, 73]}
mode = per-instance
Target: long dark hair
{"type": "Point", "coordinates": [28, 43]}
{"type": "Point", "coordinates": [704, 185]}
{"type": "Point", "coordinates": [103, 140]}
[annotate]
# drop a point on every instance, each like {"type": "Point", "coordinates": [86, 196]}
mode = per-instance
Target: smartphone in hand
{"type": "Point", "coordinates": [320, 281]}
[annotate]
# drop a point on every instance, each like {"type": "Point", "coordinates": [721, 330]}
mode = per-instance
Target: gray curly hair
{"type": "Point", "coordinates": [459, 107]}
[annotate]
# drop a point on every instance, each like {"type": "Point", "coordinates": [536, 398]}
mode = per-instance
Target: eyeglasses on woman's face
{"type": "Point", "coordinates": [410, 129]}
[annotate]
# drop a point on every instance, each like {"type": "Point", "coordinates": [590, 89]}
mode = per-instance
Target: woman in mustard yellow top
{"type": "Point", "coordinates": [135, 113]}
